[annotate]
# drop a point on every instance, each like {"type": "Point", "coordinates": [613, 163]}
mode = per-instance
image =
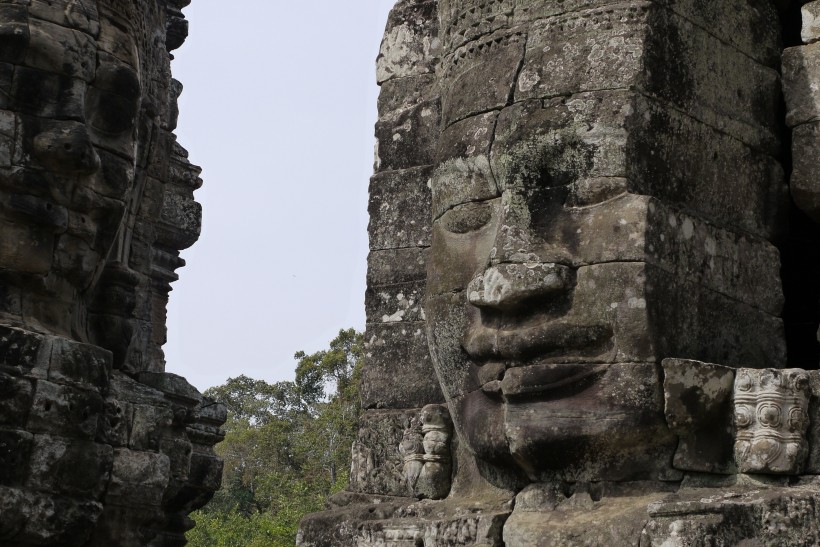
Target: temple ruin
{"type": "Point", "coordinates": [99, 446]}
{"type": "Point", "coordinates": [594, 278]}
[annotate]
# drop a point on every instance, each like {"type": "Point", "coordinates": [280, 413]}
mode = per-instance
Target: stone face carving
{"type": "Point", "coordinates": [771, 416]}
{"type": "Point", "coordinates": [568, 253]}
{"type": "Point", "coordinates": [606, 193]}
{"type": "Point", "coordinates": [100, 445]}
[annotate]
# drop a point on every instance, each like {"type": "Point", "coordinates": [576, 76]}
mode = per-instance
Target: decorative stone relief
{"type": "Point", "coordinates": [771, 417]}
{"type": "Point", "coordinates": [425, 447]}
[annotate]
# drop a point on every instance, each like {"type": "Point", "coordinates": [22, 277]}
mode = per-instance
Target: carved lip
{"type": "Point", "coordinates": [556, 380]}
{"type": "Point", "coordinates": [558, 339]}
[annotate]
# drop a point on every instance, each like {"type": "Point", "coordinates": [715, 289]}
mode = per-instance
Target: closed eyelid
{"type": "Point", "coordinates": [468, 217]}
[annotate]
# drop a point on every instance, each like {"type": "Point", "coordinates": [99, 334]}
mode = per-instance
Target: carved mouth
{"type": "Point", "coordinates": [552, 381]}
{"type": "Point", "coordinates": [561, 340]}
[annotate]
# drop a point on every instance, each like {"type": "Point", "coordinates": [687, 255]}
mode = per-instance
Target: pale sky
{"type": "Point", "coordinates": [278, 109]}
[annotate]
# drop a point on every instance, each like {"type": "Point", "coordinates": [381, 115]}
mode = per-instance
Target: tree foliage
{"type": "Point", "coordinates": [286, 448]}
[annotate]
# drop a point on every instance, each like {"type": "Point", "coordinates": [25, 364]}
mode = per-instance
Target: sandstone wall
{"type": "Point", "coordinates": [400, 211]}
{"type": "Point", "coordinates": [98, 444]}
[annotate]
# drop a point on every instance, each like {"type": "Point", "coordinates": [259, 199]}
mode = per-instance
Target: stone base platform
{"type": "Point", "coordinates": [741, 510]}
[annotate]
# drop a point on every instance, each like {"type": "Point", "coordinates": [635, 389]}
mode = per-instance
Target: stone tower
{"type": "Point", "coordinates": [99, 446]}
{"type": "Point", "coordinates": [580, 328]}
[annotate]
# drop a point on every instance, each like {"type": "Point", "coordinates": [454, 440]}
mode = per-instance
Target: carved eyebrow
{"type": "Point", "coordinates": [461, 180]}
{"type": "Point", "coordinates": [466, 202]}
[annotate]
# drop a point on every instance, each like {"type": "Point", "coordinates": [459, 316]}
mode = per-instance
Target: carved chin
{"type": "Point", "coordinates": [595, 422]}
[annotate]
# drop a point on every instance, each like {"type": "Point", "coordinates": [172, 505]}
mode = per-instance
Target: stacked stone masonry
{"type": "Point", "coordinates": [601, 221]}
{"type": "Point", "coordinates": [99, 446]}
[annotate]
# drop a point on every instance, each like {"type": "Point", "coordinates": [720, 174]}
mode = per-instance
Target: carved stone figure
{"type": "Point", "coordinates": [99, 445]}
{"type": "Point", "coordinates": [591, 196]}
{"type": "Point", "coordinates": [425, 447]}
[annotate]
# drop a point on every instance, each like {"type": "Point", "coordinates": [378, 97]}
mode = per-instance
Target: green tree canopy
{"type": "Point", "coordinates": [286, 448]}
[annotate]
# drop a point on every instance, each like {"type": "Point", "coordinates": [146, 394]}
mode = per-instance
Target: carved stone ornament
{"type": "Point", "coordinates": [425, 447]}
{"type": "Point", "coordinates": [771, 417]}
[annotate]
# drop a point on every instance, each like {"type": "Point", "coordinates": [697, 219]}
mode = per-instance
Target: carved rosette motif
{"type": "Point", "coordinates": [771, 419]}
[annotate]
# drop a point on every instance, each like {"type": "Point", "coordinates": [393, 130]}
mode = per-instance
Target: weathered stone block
{"type": "Point", "coordinates": [206, 472]}
{"type": "Point", "coordinates": [813, 431]}
{"type": "Point", "coordinates": [14, 511]}
{"type": "Point", "coordinates": [664, 158]}
{"type": "Point", "coordinates": [34, 255]}
{"type": "Point", "coordinates": [408, 139]}
{"type": "Point", "coordinates": [172, 385]}
{"type": "Point", "coordinates": [801, 79]}
{"type": "Point", "coordinates": [611, 430]}
{"type": "Point", "coordinates": [54, 520]}
{"type": "Point", "coordinates": [15, 400]}
{"type": "Point", "coordinates": [600, 50]}
{"type": "Point", "coordinates": [482, 527]}
{"type": "Point", "coordinates": [377, 464]}
{"type": "Point", "coordinates": [338, 526]}
{"type": "Point", "coordinates": [15, 451]}
{"type": "Point", "coordinates": [398, 349]}
{"type": "Point", "coordinates": [586, 138]}
{"type": "Point", "coordinates": [113, 424]}
{"type": "Point", "coordinates": [6, 78]}
{"type": "Point", "coordinates": [138, 477]}
{"type": "Point", "coordinates": [64, 410]}
{"type": "Point", "coordinates": [179, 453]}
{"type": "Point", "coordinates": [180, 220]}
{"type": "Point", "coordinates": [805, 184]}
{"type": "Point", "coordinates": [464, 173]}
{"type": "Point", "coordinates": [395, 266]}
{"type": "Point", "coordinates": [70, 467]}
{"type": "Point", "coordinates": [756, 31]}
{"type": "Point", "coordinates": [739, 265]}
{"type": "Point", "coordinates": [697, 405]}
{"type": "Point", "coordinates": [543, 516]}
{"type": "Point", "coordinates": [681, 63]}
{"type": "Point", "coordinates": [394, 303]}
{"type": "Point", "coordinates": [410, 45]}
{"type": "Point", "coordinates": [696, 314]}
{"type": "Point", "coordinates": [480, 76]}
{"type": "Point", "coordinates": [84, 19]}
{"type": "Point", "coordinates": [400, 209]}
{"type": "Point", "coordinates": [402, 94]}
{"type": "Point", "coordinates": [810, 32]}
{"type": "Point", "coordinates": [148, 425]}
{"type": "Point", "coordinates": [80, 365]}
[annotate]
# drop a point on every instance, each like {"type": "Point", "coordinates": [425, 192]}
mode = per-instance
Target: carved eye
{"type": "Point", "coordinates": [468, 217]}
{"type": "Point", "coordinates": [113, 100]}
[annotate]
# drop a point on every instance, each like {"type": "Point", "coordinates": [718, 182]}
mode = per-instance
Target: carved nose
{"type": "Point", "coordinates": [507, 285]}
{"type": "Point", "coordinates": [66, 148]}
